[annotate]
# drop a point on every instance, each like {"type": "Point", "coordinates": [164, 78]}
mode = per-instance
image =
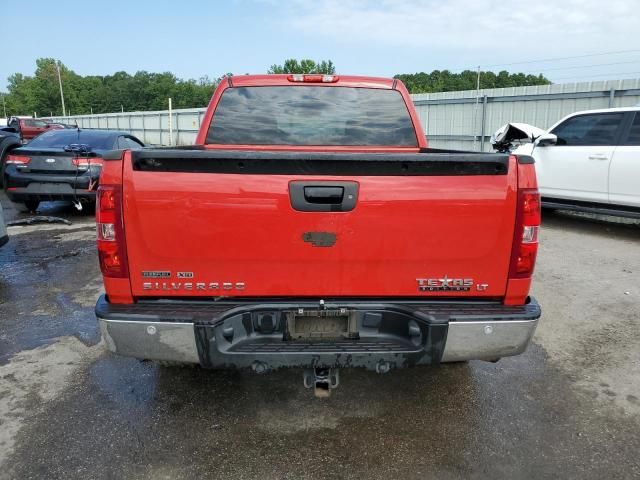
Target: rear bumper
{"type": "Point", "coordinates": [21, 186]}
{"type": "Point", "coordinates": [394, 335]}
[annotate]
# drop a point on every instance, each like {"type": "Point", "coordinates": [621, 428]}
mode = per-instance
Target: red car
{"type": "Point", "coordinates": [29, 128]}
{"type": "Point", "coordinates": [311, 226]}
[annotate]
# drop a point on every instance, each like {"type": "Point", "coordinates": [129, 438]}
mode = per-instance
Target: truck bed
{"type": "Point", "coordinates": [209, 223]}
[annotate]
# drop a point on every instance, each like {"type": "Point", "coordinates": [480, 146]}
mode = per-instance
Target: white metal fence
{"type": "Point", "coordinates": [459, 120]}
{"type": "Point", "coordinates": [150, 127]}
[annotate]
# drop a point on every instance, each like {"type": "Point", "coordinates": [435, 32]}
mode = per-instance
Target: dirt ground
{"type": "Point", "coordinates": [569, 407]}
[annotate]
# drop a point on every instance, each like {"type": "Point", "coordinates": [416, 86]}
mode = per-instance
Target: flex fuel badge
{"type": "Point", "coordinates": [156, 274]}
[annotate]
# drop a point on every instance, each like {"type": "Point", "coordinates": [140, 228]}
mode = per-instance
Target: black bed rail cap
{"type": "Point", "coordinates": [525, 159]}
{"type": "Point", "coordinates": [113, 155]}
{"type": "Point", "coordinates": [319, 163]}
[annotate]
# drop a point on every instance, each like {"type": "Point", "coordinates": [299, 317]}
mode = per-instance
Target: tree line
{"type": "Point", "coordinates": [446, 81]}
{"type": "Point", "coordinates": [40, 93]}
{"type": "Point", "coordinates": [144, 91]}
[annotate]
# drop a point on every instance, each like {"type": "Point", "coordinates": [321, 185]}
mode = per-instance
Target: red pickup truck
{"type": "Point", "coordinates": [29, 128]}
{"type": "Point", "coordinates": [311, 226]}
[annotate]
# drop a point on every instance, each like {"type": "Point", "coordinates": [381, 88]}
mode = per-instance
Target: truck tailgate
{"type": "Point", "coordinates": [212, 223]}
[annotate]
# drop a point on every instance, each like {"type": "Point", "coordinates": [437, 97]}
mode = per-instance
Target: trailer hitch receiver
{"type": "Point", "coordinates": [322, 380]}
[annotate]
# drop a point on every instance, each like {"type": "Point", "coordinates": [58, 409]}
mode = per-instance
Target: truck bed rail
{"type": "Point", "coordinates": [310, 163]}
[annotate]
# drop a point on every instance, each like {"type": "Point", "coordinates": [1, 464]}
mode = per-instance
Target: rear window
{"type": "Point", "coordinates": [35, 123]}
{"type": "Point", "coordinates": [311, 115]}
{"type": "Point", "coordinates": [62, 138]}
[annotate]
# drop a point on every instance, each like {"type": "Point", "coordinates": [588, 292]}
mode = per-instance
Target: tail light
{"type": "Point", "coordinates": [525, 240]}
{"type": "Point", "coordinates": [306, 78]}
{"type": "Point", "coordinates": [111, 243]}
{"type": "Point", "coordinates": [17, 160]}
{"type": "Point", "coordinates": [85, 162]}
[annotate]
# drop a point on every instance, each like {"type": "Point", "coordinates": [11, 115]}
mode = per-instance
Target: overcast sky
{"type": "Point", "coordinates": [193, 38]}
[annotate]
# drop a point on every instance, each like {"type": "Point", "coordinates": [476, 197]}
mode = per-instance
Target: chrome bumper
{"type": "Point", "coordinates": [175, 341]}
{"type": "Point", "coordinates": [167, 341]}
{"type": "Point", "coordinates": [487, 340]}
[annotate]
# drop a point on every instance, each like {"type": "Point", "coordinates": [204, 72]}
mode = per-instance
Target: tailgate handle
{"type": "Point", "coordinates": [324, 194]}
{"type": "Point", "coordinates": [319, 196]}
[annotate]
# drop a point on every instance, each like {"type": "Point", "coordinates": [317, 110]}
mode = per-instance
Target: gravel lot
{"type": "Point", "coordinates": [567, 408]}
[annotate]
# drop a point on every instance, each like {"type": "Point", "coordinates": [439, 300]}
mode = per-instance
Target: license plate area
{"type": "Point", "coordinates": [48, 188]}
{"type": "Point", "coordinates": [321, 325]}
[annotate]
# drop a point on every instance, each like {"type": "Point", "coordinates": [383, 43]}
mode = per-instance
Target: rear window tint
{"type": "Point", "coordinates": [633, 137]}
{"type": "Point", "coordinates": [62, 138]}
{"type": "Point", "coordinates": [35, 123]}
{"type": "Point", "coordinates": [311, 115]}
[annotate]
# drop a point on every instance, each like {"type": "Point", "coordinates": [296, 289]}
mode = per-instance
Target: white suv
{"type": "Point", "coordinates": [591, 161]}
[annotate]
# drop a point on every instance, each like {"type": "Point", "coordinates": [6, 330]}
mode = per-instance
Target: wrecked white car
{"type": "Point", "coordinates": [587, 161]}
{"type": "Point", "coordinates": [511, 135]}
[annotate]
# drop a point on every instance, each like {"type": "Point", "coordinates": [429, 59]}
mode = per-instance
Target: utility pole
{"type": "Point", "coordinates": [64, 112]}
{"type": "Point", "coordinates": [4, 106]}
{"type": "Point", "coordinates": [170, 123]}
{"type": "Point", "coordinates": [475, 110]}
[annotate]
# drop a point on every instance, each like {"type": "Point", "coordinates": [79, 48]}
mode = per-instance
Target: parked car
{"type": "Point", "coordinates": [61, 165]}
{"type": "Point", "coordinates": [29, 128]}
{"type": "Point", "coordinates": [4, 236]}
{"type": "Point", "coordinates": [9, 140]}
{"type": "Point", "coordinates": [310, 226]}
{"type": "Point", "coordinates": [590, 161]}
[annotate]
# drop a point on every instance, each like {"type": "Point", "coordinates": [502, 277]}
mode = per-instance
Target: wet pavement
{"type": "Point", "coordinates": [45, 272]}
{"type": "Point", "coordinates": [569, 407]}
